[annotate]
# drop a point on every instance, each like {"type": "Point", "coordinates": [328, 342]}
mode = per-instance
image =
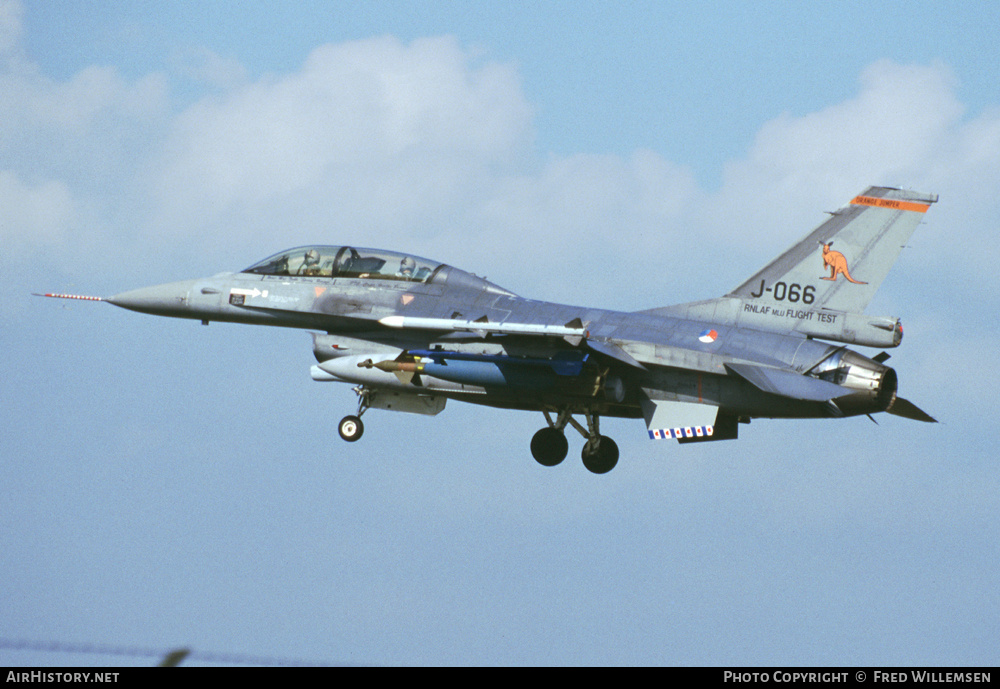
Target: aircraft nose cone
{"type": "Point", "coordinates": [161, 300]}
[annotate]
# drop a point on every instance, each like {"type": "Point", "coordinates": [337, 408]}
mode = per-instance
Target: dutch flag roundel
{"type": "Point", "coordinates": [708, 336]}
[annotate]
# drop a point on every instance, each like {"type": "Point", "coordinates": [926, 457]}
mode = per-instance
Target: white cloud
{"type": "Point", "coordinates": [33, 216]}
{"type": "Point", "coordinates": [369, 128]}
{"type": "Point", "coordinates": [33, 102]}
{"type": "Point", "coordinates": [891, 133]}
{"type": "Point", "coordinates": [91, 132]}
{"type": "Point", "coordinates": [891, 128]}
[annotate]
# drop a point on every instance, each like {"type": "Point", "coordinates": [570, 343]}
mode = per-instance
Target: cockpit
{"type": "Point", "coordinates": [346, 262]}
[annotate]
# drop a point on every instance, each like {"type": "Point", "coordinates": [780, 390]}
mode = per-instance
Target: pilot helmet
{"type": "Point", "coordinates": [407, 265]}
{"type": "Point", "coordinates": [312, 257]}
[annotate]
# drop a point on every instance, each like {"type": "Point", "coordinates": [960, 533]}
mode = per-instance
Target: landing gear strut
{"type": "Point", "coordinates": [350, 428]}
{"type": "Point", "coordinates": [549, 446]}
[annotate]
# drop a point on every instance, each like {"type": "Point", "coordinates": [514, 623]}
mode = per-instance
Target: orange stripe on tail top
{"type": "Point", "coordinates": [890, 203]}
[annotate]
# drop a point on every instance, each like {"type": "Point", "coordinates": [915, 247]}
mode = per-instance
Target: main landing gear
{"type": "Point", "coordinates": [549, 445]}
{"type": "Point", "coordinates": [350, 427]}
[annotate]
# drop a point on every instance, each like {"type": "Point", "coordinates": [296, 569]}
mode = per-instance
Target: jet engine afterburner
{"type": "Point", "coordinates": [874, 383]}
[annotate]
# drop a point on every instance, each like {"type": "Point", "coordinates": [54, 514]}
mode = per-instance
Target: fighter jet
{"type": "Point", "coordinates": [411, 333]}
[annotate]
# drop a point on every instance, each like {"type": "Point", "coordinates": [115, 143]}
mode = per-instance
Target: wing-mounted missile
{"type": "Point", "coordinates": [574, 329]}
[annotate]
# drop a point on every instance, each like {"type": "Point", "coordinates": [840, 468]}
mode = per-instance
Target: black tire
{"type": "Point", "coordinates": [603, 459]}
{"type": "Point", "coordinates": [549, 447]}
{"type": "Point", "coordinates": [351, 428]}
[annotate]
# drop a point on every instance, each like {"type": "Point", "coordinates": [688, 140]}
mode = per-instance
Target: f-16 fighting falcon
{"type": "Point", "coordinates": [411, 333]}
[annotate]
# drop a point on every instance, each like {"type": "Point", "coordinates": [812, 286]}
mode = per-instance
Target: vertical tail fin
{"type": "Point", "coordinates": [821, 286]}
{"type": "Point", "coordinates": [841, 263]}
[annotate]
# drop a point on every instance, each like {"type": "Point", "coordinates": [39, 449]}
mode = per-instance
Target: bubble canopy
{"type": "Point", "coordinates": [346, 262]}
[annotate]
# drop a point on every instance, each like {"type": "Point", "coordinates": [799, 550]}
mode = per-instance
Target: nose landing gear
{"type": "Point", "coordinates": [350, 428]}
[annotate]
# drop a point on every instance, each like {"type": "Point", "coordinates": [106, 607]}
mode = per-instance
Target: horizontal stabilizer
{"type": "Point", "coordinates": [788, 383]}
{"type": "Point", "coordinates": [909, 410]}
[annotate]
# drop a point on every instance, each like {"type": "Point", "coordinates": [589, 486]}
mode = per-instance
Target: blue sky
{"type": "Point", "coordinates": [172, 485]}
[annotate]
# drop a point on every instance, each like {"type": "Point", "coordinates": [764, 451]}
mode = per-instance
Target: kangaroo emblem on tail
{"type": "Point", "coordinates": [838, 265]}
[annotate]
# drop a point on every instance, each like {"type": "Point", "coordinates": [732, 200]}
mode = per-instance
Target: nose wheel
{"type": "Point", "coordinates": [351, 428]}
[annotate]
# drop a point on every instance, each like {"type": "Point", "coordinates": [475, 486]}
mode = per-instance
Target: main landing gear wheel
{"type": "Point", "coordinates": [351, 428]}
{"type": "Point", "coordinates": [549, 446]}
{"type": "Point", "coordinates": [602, 458]}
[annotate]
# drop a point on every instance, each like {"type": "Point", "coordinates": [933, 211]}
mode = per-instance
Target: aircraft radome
{"type": "Point", "coordinates": [411, 333]}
